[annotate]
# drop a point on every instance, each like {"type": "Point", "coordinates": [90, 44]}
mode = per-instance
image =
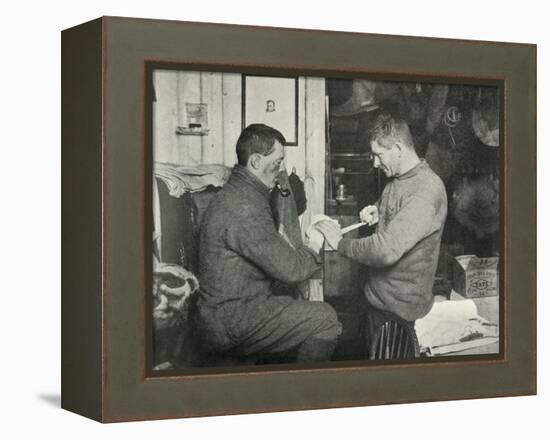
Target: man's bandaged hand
{"type": "Point", "coordinates": [331, 231]}
{"type": "Point", "coordinates": [314, 232]}
{"type": "Point", "coordinates": [315, 239]}
{"type": "Point", "coordinates": [320, 217]}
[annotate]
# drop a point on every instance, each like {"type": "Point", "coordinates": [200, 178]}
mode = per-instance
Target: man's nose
{"type": "Point", "coordinates": [376, 162]}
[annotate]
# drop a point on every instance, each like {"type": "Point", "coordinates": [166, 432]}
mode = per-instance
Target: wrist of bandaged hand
{"type": "Point", "coordinates": [315, 239]}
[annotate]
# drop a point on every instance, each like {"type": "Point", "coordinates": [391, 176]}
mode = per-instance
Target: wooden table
{"type": "Point", "coordinates": [487, 308]}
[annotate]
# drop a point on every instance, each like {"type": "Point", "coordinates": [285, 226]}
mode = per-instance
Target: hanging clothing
{"type": "Point", "coordinates": [298, 191]}
{"type": "Point", "coordinates": [183, 179]}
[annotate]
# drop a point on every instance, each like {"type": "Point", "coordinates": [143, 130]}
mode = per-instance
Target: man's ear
{"type": "Point", "coordinates": [399, 148]}
{"type": "Point", "coordinates": [254, 161]}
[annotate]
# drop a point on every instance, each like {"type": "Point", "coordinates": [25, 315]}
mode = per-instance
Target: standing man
{"type": "Point", "coordinates": [242, 255]}
{"type": "Point", "coordinates": [402, 254]}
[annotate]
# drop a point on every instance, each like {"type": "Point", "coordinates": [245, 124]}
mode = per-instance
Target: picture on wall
{"type": "Point", "coordinates": [272, 101]}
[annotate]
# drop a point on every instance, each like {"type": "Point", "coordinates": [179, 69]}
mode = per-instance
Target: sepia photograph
{"type": "Point", "coordinates": [322, 221]}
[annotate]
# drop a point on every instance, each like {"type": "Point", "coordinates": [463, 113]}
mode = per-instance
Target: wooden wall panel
{"type": "Point", "coordinates": [295, 156]}
{"type": "Point", "coordinates": [188, 91]}
{"type": "Point", "coordinates": [165, 115]}
{"type": "Point", "coordinates": [231, 115]}
{"type": "Point", "coordinates": [314, 163]}
{"type": "Point", "coordinates": [222, 93]}
{"type": "Point", "coordinates": [211, 94]}
{"type": "Point", "coordinates": [315, 143]}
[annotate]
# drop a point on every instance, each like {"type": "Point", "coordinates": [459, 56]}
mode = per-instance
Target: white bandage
{"type": "Point", "coordinates": [315, 239]}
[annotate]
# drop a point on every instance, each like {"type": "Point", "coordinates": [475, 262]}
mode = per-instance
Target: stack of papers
{"type": "Point", "coordinates": [453, 326]}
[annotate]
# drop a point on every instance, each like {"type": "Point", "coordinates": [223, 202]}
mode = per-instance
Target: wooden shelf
{"type": "Point", "coordinates": [351, 156]}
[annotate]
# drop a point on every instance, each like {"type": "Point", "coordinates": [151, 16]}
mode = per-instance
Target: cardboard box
{"type": "Point", "coordinates": [475, 277]}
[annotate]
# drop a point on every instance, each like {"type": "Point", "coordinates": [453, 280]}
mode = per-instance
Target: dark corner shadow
{"type": "Point", "coordinates": [51, 399]}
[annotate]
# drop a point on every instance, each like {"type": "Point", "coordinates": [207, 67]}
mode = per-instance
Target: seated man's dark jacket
{"type": "Point", "coordinates": [241, 255]}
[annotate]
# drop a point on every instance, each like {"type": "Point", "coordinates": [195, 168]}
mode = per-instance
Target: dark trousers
{"type": "Point", "coordinates": [389, 336]}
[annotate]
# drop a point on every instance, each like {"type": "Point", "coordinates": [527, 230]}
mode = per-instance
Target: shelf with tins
{"type": "Point", "coordinates": [351, 164]}
{"type": "Point", "coordinates": [353, 173]}
{"type": "Point", "coordinates": [352, 156]}
{"type": "Point", "coordinates": [352, 181]}
{"type": "Point", "coordinates": [354, 176]}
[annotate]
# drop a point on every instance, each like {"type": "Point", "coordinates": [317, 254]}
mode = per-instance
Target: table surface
{"type": "Point", "coordinates": [488, 308]}
{"type": "Point", "coordinates": [484, 349]}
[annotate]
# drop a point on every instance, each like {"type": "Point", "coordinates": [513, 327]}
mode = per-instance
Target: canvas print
{"type": "Point", "coordinates": [317, 221]}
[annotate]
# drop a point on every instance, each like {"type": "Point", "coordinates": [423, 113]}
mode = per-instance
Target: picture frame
{"type": "Point", "coordinates": [272, 101]}
{"type": "Point", "coordinates": [106, 271]}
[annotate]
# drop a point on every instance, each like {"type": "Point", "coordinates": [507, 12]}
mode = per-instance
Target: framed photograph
{"type": "Point", "coordinates": [272, 101]}
{"type": "Point", "coordinates": [389, 258]}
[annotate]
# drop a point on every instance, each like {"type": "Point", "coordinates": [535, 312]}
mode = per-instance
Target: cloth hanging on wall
{"type": "Point", "coordinates": [286, 219]}
{"type": "Point", "coordinates": [285, 212]}
{"type": "Point", "coordinates": [298, 191]}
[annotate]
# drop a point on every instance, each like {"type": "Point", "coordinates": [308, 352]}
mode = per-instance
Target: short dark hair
{"type": "Point", "coordinates": [386, 130]}
{"type": "Point", "coordinates": [257, 138]}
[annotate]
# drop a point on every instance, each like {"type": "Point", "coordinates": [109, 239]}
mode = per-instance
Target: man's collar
{"type": "Point", "coordinates": [242, 173]}
{"type": "Point", "coordinates": [413, 171]}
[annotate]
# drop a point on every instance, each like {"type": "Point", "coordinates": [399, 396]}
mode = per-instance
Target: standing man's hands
{"type": "Point", "coordinates": [369, 215]}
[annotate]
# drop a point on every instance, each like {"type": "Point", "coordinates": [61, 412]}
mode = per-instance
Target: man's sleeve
{"type": "Point", "coordinates": [415, 221]}
{"type": "Point", "coordinates": [255, 238]}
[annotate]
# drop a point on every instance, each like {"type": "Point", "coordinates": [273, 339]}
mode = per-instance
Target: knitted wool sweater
{"type": "Point", "coordinates": [402, 254]}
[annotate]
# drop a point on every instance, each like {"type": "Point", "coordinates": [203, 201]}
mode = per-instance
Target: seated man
{"type": "Point", "coordinates": [241, 257]}
{"type": "Point", "coordinates": [402, 254]}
